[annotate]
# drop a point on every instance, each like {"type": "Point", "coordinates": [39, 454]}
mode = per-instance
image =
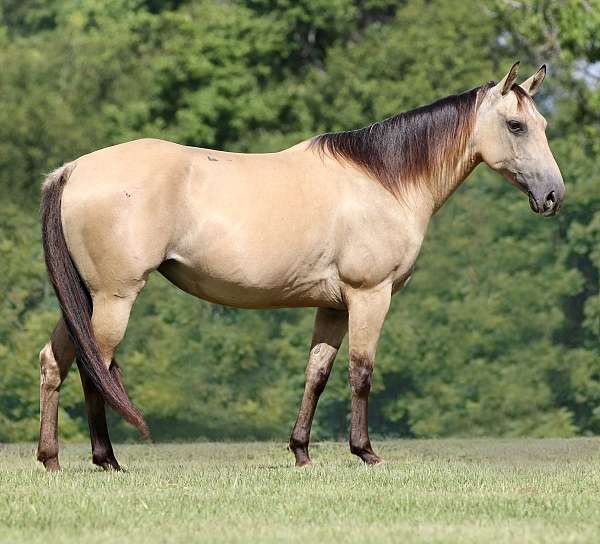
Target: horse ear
{"type": "Point", "coordinates": [533, 84]}
{"type": "Point", "coordinates": [509, 79]}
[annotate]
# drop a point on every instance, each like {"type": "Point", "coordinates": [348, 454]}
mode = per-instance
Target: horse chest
{"type": "Point", "coordinates": [377, 256]}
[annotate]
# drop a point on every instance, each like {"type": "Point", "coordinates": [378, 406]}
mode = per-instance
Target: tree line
{"type": "Point", "coordinates": [498, 332]}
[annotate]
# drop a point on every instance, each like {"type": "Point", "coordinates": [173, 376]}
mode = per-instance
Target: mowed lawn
{"type": "Point", "coordinates": [428, 491]}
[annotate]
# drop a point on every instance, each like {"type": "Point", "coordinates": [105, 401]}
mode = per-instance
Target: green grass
{"type": "Point", "coordinates": [428, 491]}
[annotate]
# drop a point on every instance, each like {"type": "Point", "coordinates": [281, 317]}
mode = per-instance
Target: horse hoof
{"type": "Point", "coordinates": [109, 466]}
{"type": "Point", "coordinates": [51, 465]}
{"type": "Point", "coordinates": [107, 463]}
{"type": "Point", "coordinates": [375, 461]}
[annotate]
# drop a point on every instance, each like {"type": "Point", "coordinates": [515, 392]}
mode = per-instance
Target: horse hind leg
{"type": "Point", "coordinates": [102, 450]}
{"type": "Point", "coordinates": [110, 317]}
{"type": "Point", "coordinates": [55, 360]}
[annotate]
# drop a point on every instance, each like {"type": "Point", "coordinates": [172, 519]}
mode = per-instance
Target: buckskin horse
{"type": "Point", "coordinates": [335, 222]}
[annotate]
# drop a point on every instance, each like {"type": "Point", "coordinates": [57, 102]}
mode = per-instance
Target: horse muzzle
{"type": "Point", "coordinates": [547, 200]}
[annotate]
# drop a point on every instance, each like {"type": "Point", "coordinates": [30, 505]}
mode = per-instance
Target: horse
{"type": "Point", "coordinates": [335, 222]}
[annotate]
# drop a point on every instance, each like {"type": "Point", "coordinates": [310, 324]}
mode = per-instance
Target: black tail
{"type": "Point", "coordinates": [76, 303]}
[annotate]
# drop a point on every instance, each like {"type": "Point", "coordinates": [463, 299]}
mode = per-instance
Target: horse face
{"type": "Point", "coordinates": [510, 138]}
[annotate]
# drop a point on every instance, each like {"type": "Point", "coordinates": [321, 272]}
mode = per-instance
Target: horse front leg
{"type": "Point", "coordinates": [329, 330]}
{"type": "Point", "coordinates": [367, 310]}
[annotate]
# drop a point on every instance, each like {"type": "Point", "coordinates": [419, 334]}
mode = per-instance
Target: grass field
{"type": "Point", "coordinates": [428, 491]}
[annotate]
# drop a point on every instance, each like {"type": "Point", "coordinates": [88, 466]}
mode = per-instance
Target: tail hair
{"type": "Point", "coordinates": [76, 302]}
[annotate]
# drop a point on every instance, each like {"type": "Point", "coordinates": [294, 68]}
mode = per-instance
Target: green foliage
{"type": "Point", "coordinates": [499, 331]}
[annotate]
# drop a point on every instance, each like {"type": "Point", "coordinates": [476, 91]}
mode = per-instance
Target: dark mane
{"type": "Point", "coordinates": [409, 147]}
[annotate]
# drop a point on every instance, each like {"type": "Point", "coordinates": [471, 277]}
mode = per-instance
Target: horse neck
{"type": "Point", "coordinates": [451, 173]}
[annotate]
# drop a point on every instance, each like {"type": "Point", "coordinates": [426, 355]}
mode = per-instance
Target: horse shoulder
{"type": "Point", "coordinates": [379, 242]}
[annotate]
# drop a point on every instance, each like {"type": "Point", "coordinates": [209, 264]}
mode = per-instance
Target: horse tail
{"type": "Point", "coordinates": [76, 303]}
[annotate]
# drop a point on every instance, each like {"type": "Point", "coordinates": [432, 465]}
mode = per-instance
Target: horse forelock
{"type": "Point", "coordinates": [411, 147]}
{"type": "Point", "coordinates": [523, 97]}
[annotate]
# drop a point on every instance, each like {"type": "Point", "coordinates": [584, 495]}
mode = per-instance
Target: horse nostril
{"type": "Point", "coordinates": [532, 203]}
{"type": "Point", "coordinates": [550, 201]}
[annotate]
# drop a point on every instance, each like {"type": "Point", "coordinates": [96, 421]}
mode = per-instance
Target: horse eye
{"type": "Point", "coordinates": [516, 126]}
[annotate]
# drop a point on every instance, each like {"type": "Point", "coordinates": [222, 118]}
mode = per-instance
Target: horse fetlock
{"type": "Point", "coordinates": [48, 456]}
{"type": "Point", "coordinates": [299, 447]}
{"type": "Point", "coordinates": [364, 450]}
{"type": "Point", "coordinates": [44, 454]}
{"type": "Point", "coordinates": [359, 446]}
{"type": "Point", "coordinates": [298, 442]}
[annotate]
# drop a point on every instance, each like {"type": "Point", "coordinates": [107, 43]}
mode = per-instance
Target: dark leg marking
{"type": "Point", "coordinates": [361, 372]}
{"type": "Point", "coordinates": [102, 451]}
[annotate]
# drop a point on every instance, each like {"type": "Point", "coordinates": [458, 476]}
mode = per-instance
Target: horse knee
{"type": "Point", "coordinates": [361, 372]}
{"type": "Point", "coordinates": [50, 375]}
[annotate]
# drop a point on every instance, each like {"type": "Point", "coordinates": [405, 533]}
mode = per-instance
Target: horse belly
{"type": "Point", "coordinates": [231, 269]}
{"type": "Point", "coordinates": [240, 291]}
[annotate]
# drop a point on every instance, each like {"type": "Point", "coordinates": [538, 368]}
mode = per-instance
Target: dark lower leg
{"type": "Point", "coordinates": [361, 371]}
{"type": "Point", "coordinates": [329, 331]}
{"type": "Point", "coordinates": [109, 321]}
{"type": "Point", "coordinates": [102, 451]}
{"type": "Point", "coordinates": [317, 374]}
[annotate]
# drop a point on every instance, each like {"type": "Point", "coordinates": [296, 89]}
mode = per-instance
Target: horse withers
{"type": "Point", "coordinates": [335, 222]}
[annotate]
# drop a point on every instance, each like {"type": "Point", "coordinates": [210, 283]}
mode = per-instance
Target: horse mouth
{"type": "Point", "coordinates": [521, 186]}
